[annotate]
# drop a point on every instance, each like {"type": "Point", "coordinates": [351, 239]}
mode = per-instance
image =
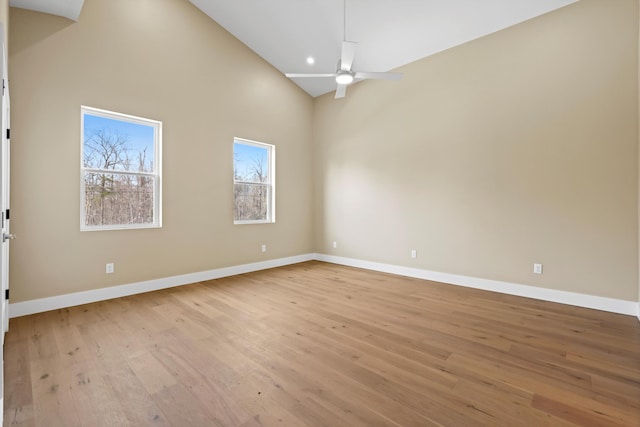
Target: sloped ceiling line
{"type": "Point", "coordinates": [66, 8]}
{"type": "Point", "coordinates": [389, 33]}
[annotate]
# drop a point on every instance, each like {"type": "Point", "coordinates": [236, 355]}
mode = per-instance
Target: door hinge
{"type": "Point", "coordinates": [6, 294]}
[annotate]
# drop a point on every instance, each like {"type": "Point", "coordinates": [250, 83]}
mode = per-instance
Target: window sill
{"type": "Point", "coordinates": [121, 227]}
{"type": "Point", "coordinates": [266, 221]}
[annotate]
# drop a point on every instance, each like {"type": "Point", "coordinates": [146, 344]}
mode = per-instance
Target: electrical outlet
{"type": "Point", "coordinates": [264, 248]}
{"type": "Point", "coordinates": [335, 244]}
{"type": "Point", "coordinates": [414, 253]}
{"type": "Point", "coordinates": [109, 269]}
{"type": "Point", "coordinates": [537, 268]}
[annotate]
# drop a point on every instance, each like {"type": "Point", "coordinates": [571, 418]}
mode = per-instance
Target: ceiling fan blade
{"type": "Point", "coordinates": [379, 76]}
{"type": "Point", "coordinates": [341, 91]}
{"type": "Point", "coordinates": [348, 54]}
{"type": "Point", "coordinates": [296, 75]}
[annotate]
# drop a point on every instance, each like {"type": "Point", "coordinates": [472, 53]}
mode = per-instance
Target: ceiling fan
{"type": "Point", "coordinates": [344, 74]}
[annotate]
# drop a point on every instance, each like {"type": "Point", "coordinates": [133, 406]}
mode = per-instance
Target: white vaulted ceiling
{"type": "Point", "coordinates": [389, 33]}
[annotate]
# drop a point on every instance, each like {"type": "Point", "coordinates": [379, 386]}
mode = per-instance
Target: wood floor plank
{"type": "Point", "coordinates": [95, 400]}
{"type": "Point", "coordinates": [150, 371]}
{"type": "Point", "coordinates": [18, 387]}
{"type": "Point", "coordinates": [53, 401]}
{"type": "Point", "coordinates": [294, 374]}
{"type": "Point", "coordinates": [580, 416]}
{"type": "Point", "coordinates": [341, 360]}
{"type": "Point", "coordinates": [317, 344]}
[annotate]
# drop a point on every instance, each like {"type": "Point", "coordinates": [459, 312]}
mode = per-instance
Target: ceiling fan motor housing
{"type": "Point", "coordinates": [344, 77]}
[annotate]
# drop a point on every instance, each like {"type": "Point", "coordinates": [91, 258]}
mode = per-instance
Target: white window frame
{"type": "Point", "coordinates": [156, 174]}
{"type": "Point", "coordinates": [271, 182]}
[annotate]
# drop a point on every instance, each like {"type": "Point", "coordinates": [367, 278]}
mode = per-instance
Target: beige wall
{"type": "Point", "coordinates": [517, 148]}
{"type": "Point", "coordinates": [163, 60]}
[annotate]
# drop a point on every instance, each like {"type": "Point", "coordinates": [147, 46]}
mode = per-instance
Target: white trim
{"type": "Point", "coordinates": [86, 297]}
{"type": "Point", "coordinates": [630, 308]}
{"type": "Point", "coordinates": [120, 116]}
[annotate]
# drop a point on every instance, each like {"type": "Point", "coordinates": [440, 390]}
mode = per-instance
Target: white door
{"type": "Point", "coordinates": [4, 194]}
{"type": "Point", "coordinates": [4, 211]}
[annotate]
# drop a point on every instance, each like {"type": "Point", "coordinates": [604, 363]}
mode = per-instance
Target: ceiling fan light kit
{"type": "Point", "coordinates": [344, 74]}
{"type": "Point", "coordinates": [344, 77]}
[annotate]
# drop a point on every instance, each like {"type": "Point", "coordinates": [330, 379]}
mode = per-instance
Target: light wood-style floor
{"type": "Point", "coordinates": [317, 344]}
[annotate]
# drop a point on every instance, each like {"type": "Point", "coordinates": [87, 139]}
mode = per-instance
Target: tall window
{"type": "Point", "coordinates": [121, 165]}
{"type": "Point", "coordinates": [253, 182]}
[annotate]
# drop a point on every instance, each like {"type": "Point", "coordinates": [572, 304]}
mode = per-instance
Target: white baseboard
{"type": "Point", "coordinates": [69, 300]}
{"type": "Point", "coordinates": [631, 308]}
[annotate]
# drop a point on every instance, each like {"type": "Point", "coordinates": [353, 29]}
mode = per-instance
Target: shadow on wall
{"type": "Point", "coordinates": [47, 26]}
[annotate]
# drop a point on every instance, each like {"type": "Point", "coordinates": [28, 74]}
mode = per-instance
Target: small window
{"type": "Point", "coordinates": [121, 163]}
{"type": "Point", "coordinates": [253, 182]}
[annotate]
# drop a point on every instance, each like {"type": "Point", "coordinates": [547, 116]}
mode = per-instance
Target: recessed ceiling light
{"type": "Point", "coordinates": [310, 60]}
